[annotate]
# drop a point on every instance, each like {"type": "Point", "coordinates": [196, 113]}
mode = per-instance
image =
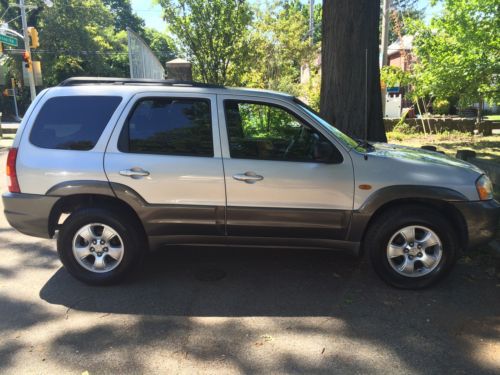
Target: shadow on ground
{"type": "Point", "coordinates": [358, 321]}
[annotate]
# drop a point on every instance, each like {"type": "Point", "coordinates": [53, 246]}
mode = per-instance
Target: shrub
{"type": "Point", "coordinates": [403, 128]}
{"type": "Point", "coordinates": [441, 107]}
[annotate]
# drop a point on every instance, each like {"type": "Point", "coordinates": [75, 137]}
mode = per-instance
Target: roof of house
{"type": "Point", "coordinates": [406, 44]}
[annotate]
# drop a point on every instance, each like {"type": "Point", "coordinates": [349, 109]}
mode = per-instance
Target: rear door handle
{"type": "Point", "coordinates": [134, 173]}
{"type": "Point", "coordinates": [248, 177]}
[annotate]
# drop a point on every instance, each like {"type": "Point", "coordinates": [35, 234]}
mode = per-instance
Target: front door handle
{"type": "Point", "coordinates": [134, 173]}
{"type": "Point", "coordinates": [248, 177]}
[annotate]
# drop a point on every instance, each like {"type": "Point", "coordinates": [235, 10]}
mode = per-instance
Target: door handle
{"type": "Point", "coordinates": [134, 173]}
{"type": "Point", "coordinates": [248, 177]}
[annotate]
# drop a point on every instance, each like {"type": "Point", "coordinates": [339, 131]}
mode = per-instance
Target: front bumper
{"type": "Point", "coordinates": [482, 219]}
{"type": "Point", "coordinates": [29, 213]}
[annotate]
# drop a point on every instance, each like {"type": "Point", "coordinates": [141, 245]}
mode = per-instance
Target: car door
{"type": "Point", "coordinates": [165, 149]}
{"type": "Point", "coordinates": [285, 177]}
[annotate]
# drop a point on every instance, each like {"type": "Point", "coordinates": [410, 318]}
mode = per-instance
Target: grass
{"type": "Point", "coordinates": [487, 148]}
{"type": "Point", "coordinates": [493, 118]}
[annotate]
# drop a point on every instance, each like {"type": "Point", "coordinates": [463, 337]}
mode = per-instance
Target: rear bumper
{"type": "Point", "coordinates": [481, 219]}
{"type": "Point", "coordinates": [29, 213]}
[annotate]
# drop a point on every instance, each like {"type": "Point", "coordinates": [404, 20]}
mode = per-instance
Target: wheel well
{"type": "Point", "coordinates": [69, 204]}
{"type": "Point", "coordinates": [442, 207]}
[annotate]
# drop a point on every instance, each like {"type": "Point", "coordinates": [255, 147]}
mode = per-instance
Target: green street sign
{"type": "Point", "coordinates": [11, 41]}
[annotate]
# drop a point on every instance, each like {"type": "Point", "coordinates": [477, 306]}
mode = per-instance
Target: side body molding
{"type": "Point", "coordinates": [159, 220]}
{"type": "Point", "coordinates": [76, 187]}
{"type": "Point", "coordinates": [381, 197]}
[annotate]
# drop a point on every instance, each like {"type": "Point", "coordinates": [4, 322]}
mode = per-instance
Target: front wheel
{"type": "Point", "coordinates": [411, 247]}
{"type": "Point", "coordinates": [99, 247]}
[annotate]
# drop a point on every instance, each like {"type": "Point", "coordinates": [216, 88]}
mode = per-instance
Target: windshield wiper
{"type": "Point", "coordinates": [364, 143]}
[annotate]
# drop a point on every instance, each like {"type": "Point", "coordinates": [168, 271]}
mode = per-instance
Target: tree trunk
{"type": "Point", "coordinates": [479, 116]}
{"type": "Point", "coordinates": [350, 27]}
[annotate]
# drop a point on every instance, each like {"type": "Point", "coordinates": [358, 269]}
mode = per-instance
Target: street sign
{"type": "Point", "coordinates": [11, 41]}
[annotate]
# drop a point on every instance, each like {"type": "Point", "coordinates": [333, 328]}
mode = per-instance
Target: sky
{"type": "Point", "coordinates": [152, 14]}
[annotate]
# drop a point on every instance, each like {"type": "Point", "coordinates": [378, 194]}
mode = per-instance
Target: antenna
{"type": "Point", "coordinates": [366, 99]}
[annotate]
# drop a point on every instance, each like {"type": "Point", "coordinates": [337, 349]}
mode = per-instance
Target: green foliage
{"type": "Point", "coordinates": [403, 128]}
{"type": "Point", "coordinates": [80, 40]}
{"type": "Point", "coordinates": [394, 76]}
{"type": "Point", "coordinates": [310, 91]}
{"type": "Point", "coordinates": [279, 48]}
{"type": "Point", "coordinates": [459, 52]}
{"type": "Point", "coordinates": [123, 16]}
{"type": "Point", "coordinates": [441, 106]}
{"type": "Point", "coordinates": [213, 35]}
{"type": "Point", "coordinates": [407, 10]}
{"type": "Point", "coordinates": [84, 38]}
{"type": "Point", "coordinates": [160, 43]}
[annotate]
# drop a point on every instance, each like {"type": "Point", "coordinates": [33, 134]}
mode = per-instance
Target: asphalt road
{"type": "Point", "coordinates": [268, 311]}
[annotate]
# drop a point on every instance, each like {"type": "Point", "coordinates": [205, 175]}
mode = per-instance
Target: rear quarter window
{"type": "Point", "coordinates": [73, 122]}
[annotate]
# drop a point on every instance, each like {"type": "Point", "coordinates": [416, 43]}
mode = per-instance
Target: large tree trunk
{"type": "Point", "coordinates": [350, 27]}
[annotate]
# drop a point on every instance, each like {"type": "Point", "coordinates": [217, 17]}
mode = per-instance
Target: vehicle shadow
{"type": "Point", "coordinates": [176, 287]}
{"type": "Point", "coordinates": [217, 282]}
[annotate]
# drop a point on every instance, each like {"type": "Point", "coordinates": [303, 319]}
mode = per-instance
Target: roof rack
{"type": "Point", "coordinates": [75, 81]}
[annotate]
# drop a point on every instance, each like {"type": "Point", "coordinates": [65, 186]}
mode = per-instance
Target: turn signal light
{"type": "Point", "coordinates": [484, 188]}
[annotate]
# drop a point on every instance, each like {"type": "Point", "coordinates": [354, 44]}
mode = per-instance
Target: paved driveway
{"type": "Point", "coordinates": [217, 311]}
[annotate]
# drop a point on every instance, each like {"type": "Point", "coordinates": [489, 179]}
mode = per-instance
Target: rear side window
{"type": "Point", "coordinates": [169, 126]}
{"type": "Point", "coordinates": [73, 122]}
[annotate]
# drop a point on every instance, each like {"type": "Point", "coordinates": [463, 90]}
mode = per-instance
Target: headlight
{"type": "Point", "coordinates": [484, 188]}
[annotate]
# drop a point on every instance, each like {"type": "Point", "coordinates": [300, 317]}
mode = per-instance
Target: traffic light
{"type": "Point", "coordinates": [33, 33]}
{"type": "Point", "coordinates": [27, 61]}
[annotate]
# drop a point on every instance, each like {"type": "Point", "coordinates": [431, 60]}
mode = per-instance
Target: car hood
{"type": "Point", "coordinates": [410, 154]}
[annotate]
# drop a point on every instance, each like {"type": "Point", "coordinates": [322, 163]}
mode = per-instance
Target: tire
{"type": "Point", "coordinates": [99, 263]}
{"type": "Point", "coordinates": [411, 263]}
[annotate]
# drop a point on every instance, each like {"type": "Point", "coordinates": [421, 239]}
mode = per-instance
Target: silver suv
{"type": "Point", "coordinates": [119, 167]}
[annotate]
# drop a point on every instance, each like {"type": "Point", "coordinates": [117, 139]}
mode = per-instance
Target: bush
{"type": "Point", "coordinates": [403, 128]}
{"type": "Point", "coordinates": [441, 107]}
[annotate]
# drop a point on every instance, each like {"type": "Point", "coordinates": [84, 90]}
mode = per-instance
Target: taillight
{"type": "Point", "coordinates": [13, 184]}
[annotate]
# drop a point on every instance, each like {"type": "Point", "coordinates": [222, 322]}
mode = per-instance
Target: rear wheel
{"type": "Point", "coordinates": [99, 247]}
{"type": "Point", "coordinates": [411, 247]}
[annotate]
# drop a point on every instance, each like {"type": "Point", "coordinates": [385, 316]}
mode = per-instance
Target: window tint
{"type": "Point", "coordinates": [169, 126]}
{"type": "Point", "coordinates": [73, 122]}
{"type": "Point", "coordinates": [267, 132]}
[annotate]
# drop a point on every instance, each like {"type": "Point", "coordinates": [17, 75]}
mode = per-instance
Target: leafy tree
{"type": "Point", "coordinates": [279, 48]}
{"type": "Point", "coordinates": [79, 39]}
{"type": "Point", "coordinates": [293, 6]}
{"type": "Point", "coordinates": [160, 43]}
{"type": "Point", "coordinates": [459, 52]}
{"type": "Point", "coordinates": [348, 75]}
{"type": "Point", "coordinates": [213, 35]}
{"type": "Point", "coordinates": [124, 16]}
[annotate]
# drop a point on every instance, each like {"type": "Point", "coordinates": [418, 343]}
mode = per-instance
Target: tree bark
{"type": "Point", "coordinates": [350, 27]}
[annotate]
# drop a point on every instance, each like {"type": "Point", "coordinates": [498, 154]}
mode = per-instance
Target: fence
{"type": "Point", "coordinates": [143, 62]}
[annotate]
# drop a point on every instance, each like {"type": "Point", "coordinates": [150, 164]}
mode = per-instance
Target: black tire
{"type": "Point", "coordinates": [134, 244]}
{"type": "Point", "coordinates": [389, 223]}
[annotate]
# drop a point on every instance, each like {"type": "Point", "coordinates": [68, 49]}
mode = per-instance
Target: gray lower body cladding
{"type": "Point", "coordinates": [482, 220]}
{"type": "Point", "coordinates": [173, 224]}
{"type": "Point", "coordinates": [29, 213]}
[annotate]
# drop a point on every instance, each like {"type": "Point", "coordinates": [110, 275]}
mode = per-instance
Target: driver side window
{"type": "Point", "coordinates": [266, 132]}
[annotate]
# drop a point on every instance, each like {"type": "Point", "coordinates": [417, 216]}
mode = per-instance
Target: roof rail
{"type": "Point", "coordinates": [75, 81]}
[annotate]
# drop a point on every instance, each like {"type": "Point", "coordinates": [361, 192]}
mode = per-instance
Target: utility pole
{"type": "Point", "coordinates": [24, 21]}
{"type": "Point", "coordinates": [311, 21]}
{"type": "Point", "coordinates": [385, 44]}
{"type": "Point", "coordinates": [385, 30]}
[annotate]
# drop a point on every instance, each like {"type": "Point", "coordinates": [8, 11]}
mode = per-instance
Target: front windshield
{"type": "Point", "coordinates": [345, 139]}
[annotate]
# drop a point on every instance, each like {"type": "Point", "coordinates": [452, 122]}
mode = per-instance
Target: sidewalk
{"type": "Point", "coordinates": [9, 130]}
